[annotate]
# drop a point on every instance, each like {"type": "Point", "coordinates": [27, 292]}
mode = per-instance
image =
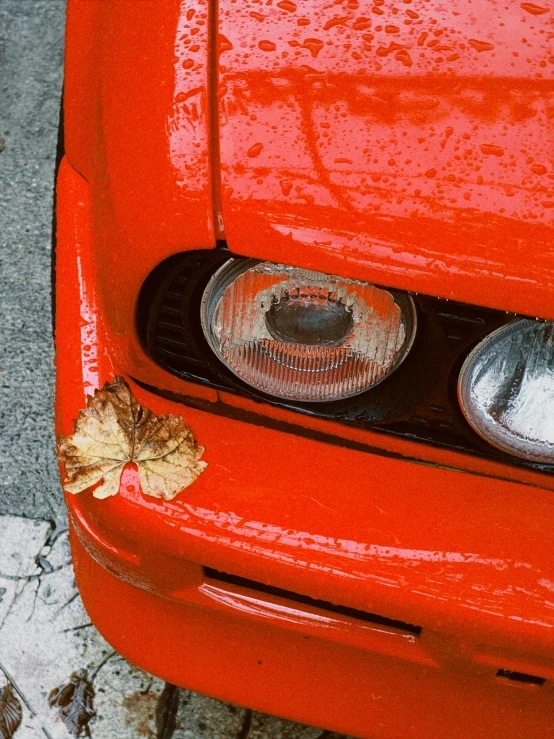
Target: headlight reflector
{"type": "Point", "coordinates": [303, 335]}
{"type": "Point", "coordinates": [506, 390]}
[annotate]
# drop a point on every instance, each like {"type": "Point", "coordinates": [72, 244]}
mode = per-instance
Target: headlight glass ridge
{"type": "Point", "coordinates": [304, 335]}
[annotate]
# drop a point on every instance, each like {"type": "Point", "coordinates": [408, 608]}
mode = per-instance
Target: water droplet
{"type": "Point", "coordinates": [287, 5]}
{"type": "Point", "coordinates": [314, 45]}
{"type": "Point", "coordinates": [534, 9]}
{"type": "Point", "coordinates": [386, 50]}
{"type": "Point", "coordinates": [286, 186]}
{"type": "Point", "coordinates": [335, 22]}
{"type": "Point", "coordinates": [255, 150]}
{"type": "Point", "coordinates": [266, 45]}
{"type": "Point", "coordinates": [481, 45]}
{"type": "Point", "coordinates": [224, 44]}
{"type": "Point", "coordinates": [404, 57]}
{"type": "Point", "coordinates": [492, 150]}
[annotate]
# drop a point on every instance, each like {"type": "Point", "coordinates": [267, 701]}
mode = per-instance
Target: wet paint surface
{"type": "Point", "coordinates": [188, 121]}
{"type": "Point", "coordinates": [407, 143]}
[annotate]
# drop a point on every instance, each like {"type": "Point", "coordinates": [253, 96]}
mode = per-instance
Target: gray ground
{"type": "Point", "coordinates": [45, 634]}
{"type": "Point", "coordinates": [31, 53]}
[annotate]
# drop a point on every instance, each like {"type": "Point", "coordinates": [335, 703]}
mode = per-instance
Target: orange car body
{"type": "Point", "coordinates": [408, 144]}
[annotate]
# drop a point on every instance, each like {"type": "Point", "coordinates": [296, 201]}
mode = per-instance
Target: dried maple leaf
{"type": "Point", "coordinates": [115, 429]}
{"type": "Point", "coordinates": [11, 712]}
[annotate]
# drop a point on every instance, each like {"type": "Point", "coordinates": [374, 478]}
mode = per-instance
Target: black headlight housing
{"type": "Point", "coordinates": [418, 401]}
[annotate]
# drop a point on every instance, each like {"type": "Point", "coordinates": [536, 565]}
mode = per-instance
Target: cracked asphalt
{"type": "Point", "coordinates": [46, 639]}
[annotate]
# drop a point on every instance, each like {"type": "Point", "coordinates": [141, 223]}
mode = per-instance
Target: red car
{"type": "Point", "coordinates": [310, 245]}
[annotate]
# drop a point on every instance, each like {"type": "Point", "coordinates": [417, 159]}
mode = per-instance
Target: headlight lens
{"type": "Point", "coordinates": [506, 390]}
{"type": "Point", "coordinates": [304, 335]}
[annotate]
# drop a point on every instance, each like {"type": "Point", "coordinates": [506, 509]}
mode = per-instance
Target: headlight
{"type": "Point", "coordinates": [506, 390]}
{"type": "Point", "coordinates": [304, 335]}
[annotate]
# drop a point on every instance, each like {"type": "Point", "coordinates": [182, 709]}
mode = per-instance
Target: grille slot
{"type": "Point", "coordinates": [371, 618]}
{"type": "Point", "coordinates": [521, 677]}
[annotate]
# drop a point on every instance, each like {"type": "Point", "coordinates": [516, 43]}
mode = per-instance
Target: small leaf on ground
{"type": "Point", "coordinates": [115, 430]}
{"type": "Point", "coordinates": [75, 704]}
{"type": "Point", "coordinates": [11, 712]}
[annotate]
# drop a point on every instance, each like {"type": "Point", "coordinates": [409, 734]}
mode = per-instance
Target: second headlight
{"type": "Point", "coordinates": [506, 390]}
{"type": "Point", "coordinates": [303, 335]}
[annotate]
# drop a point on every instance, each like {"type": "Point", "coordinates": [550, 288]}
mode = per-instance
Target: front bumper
{"type": "Point", "coordinates": [468, 558]}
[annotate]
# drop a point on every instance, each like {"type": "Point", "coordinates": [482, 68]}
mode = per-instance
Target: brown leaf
{"type": "Point", "coordinates": [114, 430]}
{"type": "Point", "coordinates": [75, 704]}
{"type": "Point", "coordinates": [11, 712]}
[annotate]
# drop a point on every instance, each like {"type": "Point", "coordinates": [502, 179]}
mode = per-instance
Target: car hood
{"type": "Point", "coordinates": [406, 144]}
